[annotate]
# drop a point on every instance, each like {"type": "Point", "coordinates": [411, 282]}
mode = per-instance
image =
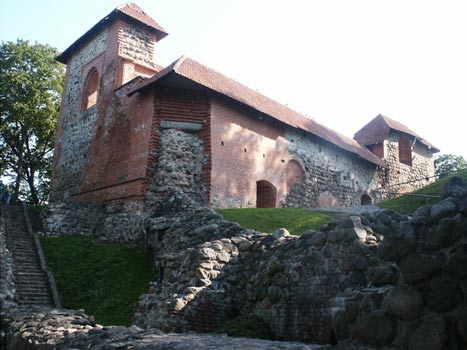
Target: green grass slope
{"type": "Point", "coordinates": [296, 221]}
{"type": "Point", "coordinates": [409, 203]}
{"type": "Point", "coordinates": [105, 279]}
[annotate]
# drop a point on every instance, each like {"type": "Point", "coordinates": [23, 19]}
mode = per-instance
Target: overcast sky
{"type": "Point", "coordinates": [340, 62]}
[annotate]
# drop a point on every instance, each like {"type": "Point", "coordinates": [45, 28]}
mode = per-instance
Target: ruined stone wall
{"type": "Point", "coordinates": [404, 178]}
{"type": "Point", "coordinates": [8, 294]}
{"type": "Point", "coordinates": [76, 127]}
{"type": "Point", "coordinates": [375, 281]}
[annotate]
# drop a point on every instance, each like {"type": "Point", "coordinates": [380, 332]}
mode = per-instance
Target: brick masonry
{"type": "Point", "coordinates": [177, 134]}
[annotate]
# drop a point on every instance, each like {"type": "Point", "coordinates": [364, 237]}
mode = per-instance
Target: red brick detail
{"type": "Point", "coordinates": [246, 147]}
{"type": "Point", "coordinates": [118, 159]}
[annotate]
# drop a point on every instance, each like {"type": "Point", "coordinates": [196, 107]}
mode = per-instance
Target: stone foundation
{"type": "Point", "coordinates": [377, 280]}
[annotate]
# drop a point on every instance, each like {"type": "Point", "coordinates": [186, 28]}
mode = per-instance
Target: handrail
{"type": "Point", "coordinates": [40, 253]}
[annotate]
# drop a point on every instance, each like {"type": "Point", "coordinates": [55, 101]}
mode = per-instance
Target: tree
{"type": "Point", "coordinates": [31, 83]}
{"type": "Point", "coordinates": [448, 164]}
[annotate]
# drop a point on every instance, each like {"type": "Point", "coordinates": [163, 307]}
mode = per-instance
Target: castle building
{"type": "Point", "coordinates": [130, 130]}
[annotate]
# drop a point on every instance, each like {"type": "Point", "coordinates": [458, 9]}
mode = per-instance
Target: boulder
{"type": "Point", "coordinates": [429, 335]}
{"type": "Point", "coordinates": [443, 209]}
{"type": "Point", "coordinates": [455, 188]}
{"type": "Point", "coordinates": [343, 319]}
{"type": "Point", "coordinates": [318, 239]}
{"type": "Point", "coordinates": [280, 233]}
{"type": "Point", "coordinates": [385, 273]}
{"type": "Point", "coordinates": [441, 293]}
{"type": "Point", "coordinates": [397, 246]}
{"type": "Point", "coordinates": [457, 265]}
{"type": "Point", "coordinates": [421, 215]}
{"type": "Point", "coordinates": [417, 267]}
{"type": "Point", "coordinates": [376, 328]}
{"type": "Point", "coordinates": [448, 231]}
{"type": "Point", "coordinates": [462, 322]}
{"type": "Point", "coordinates": [404, 302]}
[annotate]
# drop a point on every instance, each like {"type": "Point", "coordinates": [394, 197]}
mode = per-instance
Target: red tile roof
{"type": "Point", "coordinates": [211, 79]}
{"type": "Point", "coordinates": [377, 130]}
{"type": "Point", "coordinates": [129, 11]}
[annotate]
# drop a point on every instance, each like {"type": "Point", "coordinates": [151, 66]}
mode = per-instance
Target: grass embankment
{"type": "Point", "coordinates": [296, 221]}
{"type": "Point", "coordinates": [105, 279]}
{"type": "Point", "coordinates": [408, 203]}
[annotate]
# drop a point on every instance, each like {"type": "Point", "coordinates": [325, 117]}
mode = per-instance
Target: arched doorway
{"type": "Point", "coordinates": [265, 194]}
{"type": "Point", "coordinates": [365, 199]}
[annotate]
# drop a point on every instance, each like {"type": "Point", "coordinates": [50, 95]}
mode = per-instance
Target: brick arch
{"type": "Point", "coordinates": [265, 194]}
{"type": "Point", "coordinates": [294, 174]}
{"type": "Point", "coordinates": [90, 90]}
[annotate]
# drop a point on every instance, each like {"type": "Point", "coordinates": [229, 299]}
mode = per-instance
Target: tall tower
{"type": "Point", "coordinates": [117, 49]}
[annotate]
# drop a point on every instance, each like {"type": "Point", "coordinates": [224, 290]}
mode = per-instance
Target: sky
{"type": "Point", "coordinates": [339, 62]}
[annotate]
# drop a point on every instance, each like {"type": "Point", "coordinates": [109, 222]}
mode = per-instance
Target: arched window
{"type": "Point", "coordinates": [405, 150]}
{"type": "Point", "coordinates": [265, 194]}
{"type": "Point", "coordinates": [294, 173]}
{"type": "Point", "coordinates": [90, 89]}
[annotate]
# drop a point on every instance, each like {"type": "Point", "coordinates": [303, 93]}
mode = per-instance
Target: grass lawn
{"type": "Point", "coordinates": [105, 279]}
{"type": "Point", "coordinates": [270, 219]}
{"type": "Point", "coordinates": [410, 203]}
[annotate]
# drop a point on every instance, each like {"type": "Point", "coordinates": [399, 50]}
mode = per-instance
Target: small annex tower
{"type": "Point", "coordinates": [117, 49]}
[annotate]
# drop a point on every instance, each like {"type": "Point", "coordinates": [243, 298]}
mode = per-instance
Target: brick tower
{"type": "Point", "coordinates": [119, 48]}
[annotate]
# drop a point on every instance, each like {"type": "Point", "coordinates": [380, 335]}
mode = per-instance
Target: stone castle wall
{"type": "Point", "coordinates": [374, 281]}
{"type": "Point", "coordinates": [248, 148]}
{"type": "Point", "coordinates": [333, 177]}
{"type": "Point", "coordinates": [402, 178]}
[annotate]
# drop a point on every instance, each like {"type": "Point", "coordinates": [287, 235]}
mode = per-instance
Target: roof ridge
{"type": "Point", "coordinates": [212, 79]}
{"type": "Point", "coordinates": [178, 63]}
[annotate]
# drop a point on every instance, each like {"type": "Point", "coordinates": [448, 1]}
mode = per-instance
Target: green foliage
{"type": "Point", "coordinates": [105, 279]}
{"type": "Point", "coordinates": [30, 91]}
{"type": "Point", "coordinates": [448, 164]}
{"type": "Point", "coordinates": [410, 203]}
{"type": "Point", "coordinates": [270, 219]}
{"type": "Point", "coordinates": [249, 326]}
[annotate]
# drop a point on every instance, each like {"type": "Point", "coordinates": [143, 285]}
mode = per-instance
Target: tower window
{"type": "Point", "coordinates": [90, 89]}
{"type": "Point", "coordinates": [405, 150]}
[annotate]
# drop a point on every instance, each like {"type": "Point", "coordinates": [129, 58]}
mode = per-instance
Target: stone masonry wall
{"type": "Point", "coordinates": [114, 221]}
{"type": "Point", "coordinates": [333, 177]}
{"type": "Point", "coordinates": [8, 295]}
{"type": "Point", "coordinates": [137, 45]}
{"type": "Point", "coordinates": [76, 128]}
{"type": "Point", "coordinates": [180, 161]}
{"type": "Point", "coordinates": [376, 281]}
{"type": "Point", "coordinates": [402, 178]}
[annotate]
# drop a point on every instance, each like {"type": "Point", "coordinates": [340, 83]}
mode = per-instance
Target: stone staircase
{"type": "Point", "coordinates": [32, 281]}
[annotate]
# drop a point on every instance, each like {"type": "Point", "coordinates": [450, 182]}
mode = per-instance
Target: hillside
{"type": "Point", "coordinates": [409, 203]}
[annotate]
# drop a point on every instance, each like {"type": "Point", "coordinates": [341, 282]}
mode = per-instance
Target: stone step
{"type": "Point", "coordinates": [31, 282]}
